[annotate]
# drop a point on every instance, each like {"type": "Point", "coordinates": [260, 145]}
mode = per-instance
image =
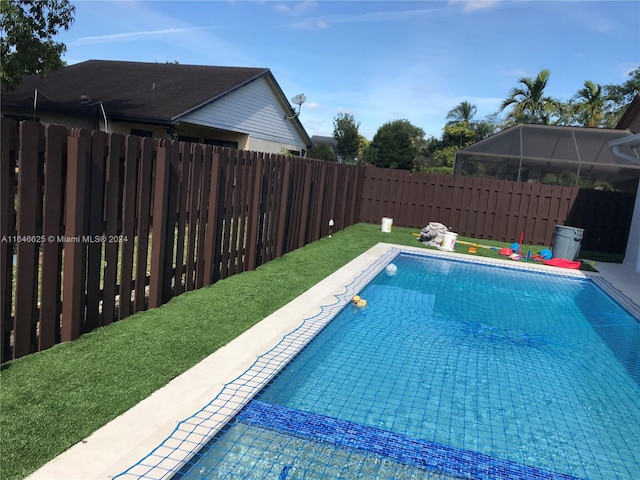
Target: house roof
{"type": "Point", "coordinates": [631, 117]}
{"type": "Point", "coordinates": [136, 91]}
{"type": "Point", "coordinates": [316, 139]}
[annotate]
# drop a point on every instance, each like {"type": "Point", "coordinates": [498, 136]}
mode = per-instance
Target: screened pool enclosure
{"type": "Point", "coordinates": [571, 156]}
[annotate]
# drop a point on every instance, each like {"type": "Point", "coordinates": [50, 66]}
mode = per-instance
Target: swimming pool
{"type": "Point", "coordinates": [454, 369]}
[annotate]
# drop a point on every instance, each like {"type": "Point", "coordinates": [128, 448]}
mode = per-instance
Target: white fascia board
{"type": "Point", "coordinates": [623, 147]}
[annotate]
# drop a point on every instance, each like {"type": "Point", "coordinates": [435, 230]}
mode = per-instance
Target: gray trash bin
{"type": "Point", "coordinates": [566, 242]}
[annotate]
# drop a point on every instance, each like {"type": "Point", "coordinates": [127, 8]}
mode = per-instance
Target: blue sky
{"type": "Point", "coordinates": [377, 60]}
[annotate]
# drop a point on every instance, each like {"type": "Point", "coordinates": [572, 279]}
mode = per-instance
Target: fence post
{"type": "Point", "coordinates": [284, 207]}
{"type": "Point", "coordinates": [113, 193]}
{"type": "Point", "coordinates": [212, 246]}
{"type": "Point", "coordinates": [78, 159]}
{"type": "Point", "coordinates": [254, 213]}
{"type": "Point", "coordinates": [95, 227]}
{"type": "Point", "coordinates": [7, 228]}
{"type": "Point", "coordinates": [52, 227]}
{"type": "Point", "coordinates": [306, 199]}
{"type": "Point", "coordinates": [159, 239]}
{"type": "Point", "coordinates": [27, 251]}
{"type": "Point", "coordinates": [143, 205]}
{"type": "Point", "coordinates": [129, 204]}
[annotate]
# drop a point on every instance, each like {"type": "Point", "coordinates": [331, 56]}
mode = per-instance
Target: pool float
{"type": "Point", "coordinates": [562, 263]}
{"type": "Point", "coordinates": [358, 301]}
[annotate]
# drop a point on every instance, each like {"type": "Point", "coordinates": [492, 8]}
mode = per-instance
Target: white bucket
{"type": "Point", "coordinates": [449, 241]}
{"type": "Point", "coordinates": [386, 224]}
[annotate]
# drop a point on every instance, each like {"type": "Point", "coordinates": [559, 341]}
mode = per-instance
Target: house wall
{"type": "Point", "coordinates": [254, 110]}
{"type": "Point", "coordinates": [632, 254]}
{"type": "Point", "coordinates": [46, 118]}
{"type": "Point", "coordinates": [157, 131]}
{"type": "Point", "coordinates": [268, 146]}
{"type": "Point", "coordinates": [203, 134]}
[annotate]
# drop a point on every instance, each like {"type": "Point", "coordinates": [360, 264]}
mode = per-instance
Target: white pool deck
{"type": "Point", "coordinates": [128, 438]}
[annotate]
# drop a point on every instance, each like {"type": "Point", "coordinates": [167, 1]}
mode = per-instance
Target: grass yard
{"type": "Point", "coordinates": [52, 400]}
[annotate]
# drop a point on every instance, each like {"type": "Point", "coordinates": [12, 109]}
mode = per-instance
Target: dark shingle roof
{"type": "Point", "coordinates": [323, 139]}
{"type": "Point", "coordinates": [631, 117]}
{"type": "Point", "coordinates": [158, 92]}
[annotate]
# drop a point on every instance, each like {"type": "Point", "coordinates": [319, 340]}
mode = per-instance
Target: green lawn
{"type": "Point", "coordinates": [53, 399]}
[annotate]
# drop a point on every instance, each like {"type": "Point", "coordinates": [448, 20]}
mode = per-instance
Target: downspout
{"type": "Point", "coordinates": [104, 116]}
{"type": "Point", "coordinates": [35, 104]}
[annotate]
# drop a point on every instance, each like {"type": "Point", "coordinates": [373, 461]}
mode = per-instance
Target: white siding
{"type": "Point", "coordinates": [254, 110]}
{"type": "Point", "coordinates": [268, 146]}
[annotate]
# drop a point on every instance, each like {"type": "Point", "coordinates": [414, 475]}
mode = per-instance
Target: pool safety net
{"type": "Point", "coordinates": [453, 370]}
{"type": "Point", "coordinates": [193, 433]}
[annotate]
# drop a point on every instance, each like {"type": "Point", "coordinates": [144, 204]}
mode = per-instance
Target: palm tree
{"type": "Point", "coordinates": [462, 113]}
{"type": "Point", "coordinates": [528, 101]}
{"type": "Point", "coordinates": [589, 104]}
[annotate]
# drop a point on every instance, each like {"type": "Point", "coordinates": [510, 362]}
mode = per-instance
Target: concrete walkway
{"type": "Point", "coordinates": [623, 277]}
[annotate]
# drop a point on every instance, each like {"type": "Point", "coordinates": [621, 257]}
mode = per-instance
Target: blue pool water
{"type": "Point", "coordinates": [452, 370]}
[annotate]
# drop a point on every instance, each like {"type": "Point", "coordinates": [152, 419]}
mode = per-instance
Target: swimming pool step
{"type": "Point", "coordinates": [400, 448]}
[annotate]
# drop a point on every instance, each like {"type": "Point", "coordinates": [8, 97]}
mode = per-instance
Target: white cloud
{"type": "Point", "coordinates": [344, 110]}
{"type": "Point", "coordinates": [133, 36]}
{"type": "Point", "coordinates": [627, 68]}
{"type": "Point", "coordinates": [296, 8]}
{"type": "Point", "coordinates": [518, 73]}
{"type": "Point", "coordinates": [469, 6]}
{"type": "Point", "coordinates": [367, 17]}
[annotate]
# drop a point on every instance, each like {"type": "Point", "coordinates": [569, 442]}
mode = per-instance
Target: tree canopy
{"type": "Point", "coordinates": [588, 104]}
{"type": "Point", "coordinates": [619, 97]}
{"type": "Point", "coordinates": [345, 133]}
{"type": "Point", "coordinates": [322, 151]}
{"type": "Point", "coordinates": [27, 46]}
{"type": "Point", "coordinates": [464, 112]}
{"type": "Point", "coordinates": [396, 144]}
{"type": "Point", "coordinates": [593, 105]}
{"type": "Point", "coordinates": [528, 101]}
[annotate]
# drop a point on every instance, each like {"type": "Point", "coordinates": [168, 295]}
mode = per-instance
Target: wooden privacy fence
{"type": "Point", "coordinates": [96, 227]}
{"type": "Point", "coordinates": [500, 210]}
